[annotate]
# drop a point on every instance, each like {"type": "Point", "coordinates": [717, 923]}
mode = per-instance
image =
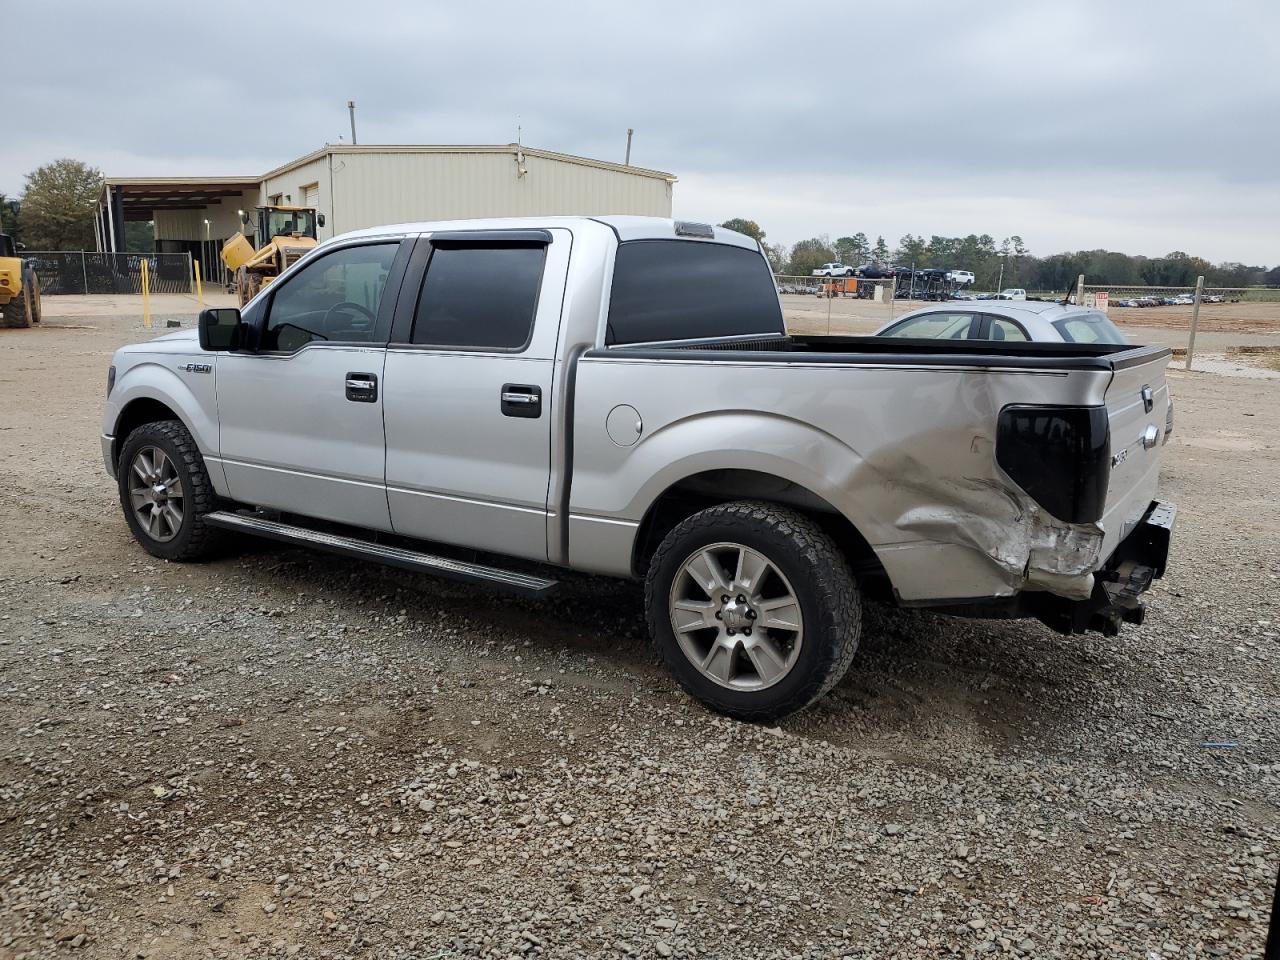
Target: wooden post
{"type": "Point", "coordinates": [1080, 291]}
{"type": "Point", "coordinates": [1195, 321]}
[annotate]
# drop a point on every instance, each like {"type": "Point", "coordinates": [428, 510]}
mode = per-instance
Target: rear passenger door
{"type": "Point", "coordinates": [468, 398]}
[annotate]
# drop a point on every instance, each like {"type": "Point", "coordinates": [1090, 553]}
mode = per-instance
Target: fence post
{"type": "Point", "coordinates": [146, 294]}
{"type": "Point", "coordinates": [893, 295]}
{"type": "Point", "coordinates": [84, 269]}
{"type": "Point", "coordinates": [1195, 321]}
{"type": "Point", "coordinates": [1080, 291]}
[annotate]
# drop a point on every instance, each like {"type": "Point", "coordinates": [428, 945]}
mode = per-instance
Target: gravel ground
{"type": "Point", "coordinates": [282, 753]}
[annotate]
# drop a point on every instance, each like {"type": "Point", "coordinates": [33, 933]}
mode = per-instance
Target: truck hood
{"type": "Point", "coordinates": [179, 341]}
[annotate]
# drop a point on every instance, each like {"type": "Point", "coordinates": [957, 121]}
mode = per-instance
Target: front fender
{"type": "Point", "coordinates": [191, 396]}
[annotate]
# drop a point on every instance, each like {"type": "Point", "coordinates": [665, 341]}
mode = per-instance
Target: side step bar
{"type": "Point", "coordinates": [392, 556]}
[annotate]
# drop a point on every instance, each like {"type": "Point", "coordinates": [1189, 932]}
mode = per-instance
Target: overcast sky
{"type": "Point", "coordinates": [1137, 126]}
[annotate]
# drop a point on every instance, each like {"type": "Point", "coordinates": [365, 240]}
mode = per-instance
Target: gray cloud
{"type": "Point", "coordinates": [1144, 127]}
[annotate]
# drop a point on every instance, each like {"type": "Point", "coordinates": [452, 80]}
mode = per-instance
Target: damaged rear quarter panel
{"type": "Point", "coordinates": [907, 453]}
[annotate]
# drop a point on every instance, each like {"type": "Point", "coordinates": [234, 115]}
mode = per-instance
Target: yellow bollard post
{"type": "Point", "coordinates": [146, 294]}
{"type": "Point", "coordinates": [195, 268]}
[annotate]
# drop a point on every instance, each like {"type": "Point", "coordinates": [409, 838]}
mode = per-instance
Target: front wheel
{"type": "Point", "coordinates": [753, 609]}
{"type": "Point", "coordinates": [165, 492]}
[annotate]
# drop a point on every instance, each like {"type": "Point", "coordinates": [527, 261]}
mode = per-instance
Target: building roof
{"type": "Point", "coordinates": [140, 195]}
{"type": "Point", "coordinates": [508, 148]}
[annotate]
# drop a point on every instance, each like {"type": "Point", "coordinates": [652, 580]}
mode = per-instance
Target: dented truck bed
{"type": "Point", "coordinates": [993, 478]}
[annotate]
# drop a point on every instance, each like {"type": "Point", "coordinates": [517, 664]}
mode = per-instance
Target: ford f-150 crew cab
{"type": "Point", "coordinates": [497, 400]}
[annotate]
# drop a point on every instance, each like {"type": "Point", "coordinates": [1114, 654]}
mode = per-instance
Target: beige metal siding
{"type": "Point", "coordinates": [224, 220]}
{"type": "Point", "coordinates": [292, 183]}
{"type": "Point", "coordinates": [373, 188]}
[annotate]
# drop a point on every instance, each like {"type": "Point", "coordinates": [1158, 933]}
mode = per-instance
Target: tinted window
{"type": "Point", "coordinates": [934, 326]}
{"type": "Point", "coordinates": [1002, 329]}
{"type": "Point", "coordinates": [482, 296]}
{"type": "Point", "coordinates": [1089, 328]}
{"type": "Point", "coordinates": [686, 290]}
{"type": "Point", "coordinates": [333, 298]}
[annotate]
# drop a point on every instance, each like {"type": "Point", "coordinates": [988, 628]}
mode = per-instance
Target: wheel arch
{"type": "Point", "coordinates": [709, 488]}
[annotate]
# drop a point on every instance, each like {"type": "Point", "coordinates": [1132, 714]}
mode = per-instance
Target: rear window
{"type": "Point", "coordinates": [1089, 328]}
{"type": "Point", "coordinates": [686, 290]}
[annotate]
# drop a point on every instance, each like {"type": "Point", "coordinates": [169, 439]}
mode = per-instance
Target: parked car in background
{"type": "Point", "coordinates": [1036, 321]}
{"type": "Point", "coordinates": [833, 270]}
{"type": "Point", "coordinates": [962, 277]}
{"type": "Point", "coordinates": [1013, 293]}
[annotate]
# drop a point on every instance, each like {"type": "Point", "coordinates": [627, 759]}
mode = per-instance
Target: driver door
{"type": "Point", "coordinates": [300, 418]}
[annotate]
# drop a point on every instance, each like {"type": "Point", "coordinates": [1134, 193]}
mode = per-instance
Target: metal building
{"type": "Point", "coordinates": [362, 186]}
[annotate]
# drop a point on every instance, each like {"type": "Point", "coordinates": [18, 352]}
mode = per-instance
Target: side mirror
{"type": "Point", "coordinates": [320, 219]}
{"type": "Point", "coordinates": [220, 328]}
{"type": "Point", "coordinates": [20, 245]}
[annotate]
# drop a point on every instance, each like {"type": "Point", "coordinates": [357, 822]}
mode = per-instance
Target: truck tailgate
{"type": "Point", "coordinates": [1137, 401]}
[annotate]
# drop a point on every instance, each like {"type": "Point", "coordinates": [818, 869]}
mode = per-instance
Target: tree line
{"type": "Point", "coordinates": [1007, 262]}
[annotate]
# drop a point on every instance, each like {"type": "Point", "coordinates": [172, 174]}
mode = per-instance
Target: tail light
{"type": "Point", "coordinates": [1061, 456]}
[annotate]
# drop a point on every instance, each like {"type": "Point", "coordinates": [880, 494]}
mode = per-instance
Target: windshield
{"type": "Point", "coordinates": [283, 222]}
{"type": "Point", "coordinates": [1089, 328]}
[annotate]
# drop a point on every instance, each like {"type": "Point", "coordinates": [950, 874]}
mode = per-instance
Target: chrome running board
{"type": "Point", "coordinates": [392, 556]}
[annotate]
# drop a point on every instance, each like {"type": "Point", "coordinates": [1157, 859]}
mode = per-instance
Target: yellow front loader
{"type": "Point", "coordinates": [286, 234]}
{"type": "Point", "coordinates": [19, 287]}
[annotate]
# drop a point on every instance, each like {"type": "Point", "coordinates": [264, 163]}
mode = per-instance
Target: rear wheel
{"type": "Point", "coordinates": [753, 609]}
{"type": "Point", "coordinates": [17, 312]}
{"type": "Point", "coordinates": [165, 492]}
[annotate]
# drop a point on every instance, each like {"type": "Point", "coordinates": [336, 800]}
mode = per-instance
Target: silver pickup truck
{"type": "Point", "coordinates": [500, 400]}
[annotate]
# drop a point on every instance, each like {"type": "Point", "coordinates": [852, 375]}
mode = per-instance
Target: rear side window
{"type": "Point", "coordinates": [1089, 328]}
{"type": "Point", "coordinates": [483, 297]}
{"type": "Point", "coordinates": [934, 326]}
{"type": "Point", "coordinates": [1003, 329]}
{"type": "Point", "coordinates": [686, 290]}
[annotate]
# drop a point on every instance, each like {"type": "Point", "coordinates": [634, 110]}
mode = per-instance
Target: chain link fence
{"type": "Point", "coordinates": [83, 272]}
{"type": "Point", "coordinates": [1138, 297]}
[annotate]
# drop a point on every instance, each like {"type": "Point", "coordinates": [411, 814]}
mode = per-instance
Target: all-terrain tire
{"type": "Point", "coordinates": [17, 312]}
{"type": "Point", "coordinates": [195, 539]}
{"type": "Point", "coordinates": [819, 577]}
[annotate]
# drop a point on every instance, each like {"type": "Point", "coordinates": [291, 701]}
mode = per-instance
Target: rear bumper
{"type": "Point", "coordinates": [1140, 559]}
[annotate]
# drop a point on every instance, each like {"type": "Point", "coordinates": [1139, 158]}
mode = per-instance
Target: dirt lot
{"type": "Point", "coordinates": [285, 753]}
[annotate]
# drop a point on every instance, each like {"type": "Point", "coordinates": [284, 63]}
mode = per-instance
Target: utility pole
{"type": "Point", "coordinates": [351, 109]}
{"type": "Point", "coordinates": [627, 162]}
{"type": "Point", "coordinates": [1195, 320]}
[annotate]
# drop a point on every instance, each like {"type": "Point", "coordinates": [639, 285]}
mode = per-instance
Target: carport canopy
{"type": "Point", "coordinates": [132, 199]}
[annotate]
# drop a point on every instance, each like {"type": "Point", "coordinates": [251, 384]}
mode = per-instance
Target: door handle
{"type": "Point", "coordinates": [362, 387]}
{"type": "Point", "coordinates": [521, 400]}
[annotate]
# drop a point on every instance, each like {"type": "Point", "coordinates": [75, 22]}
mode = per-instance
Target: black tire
{"type": "Point", "coordinates": [17, 312]}
{"type": "Point", "coordinates": [194, 540]}
{"type": "Point", "coordinates": [819, 577]}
